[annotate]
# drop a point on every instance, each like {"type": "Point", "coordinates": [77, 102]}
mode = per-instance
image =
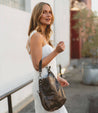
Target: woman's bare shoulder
{"type": "Point", "coordinates": [36, 37]}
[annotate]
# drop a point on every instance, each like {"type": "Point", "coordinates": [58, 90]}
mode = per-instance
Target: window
{"type": "Point", "coordinates": [19, 4]}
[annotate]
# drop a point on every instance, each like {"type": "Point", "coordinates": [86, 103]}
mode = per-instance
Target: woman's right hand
{"type": "Point", "coordinates": [60, 47]}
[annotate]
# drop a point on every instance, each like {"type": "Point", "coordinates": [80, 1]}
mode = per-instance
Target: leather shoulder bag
{"type": "Point", "coordinates": [51, 93]}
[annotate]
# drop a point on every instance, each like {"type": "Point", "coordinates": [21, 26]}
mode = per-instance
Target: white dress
{"type": "Point", "coordinates": [46, 50]}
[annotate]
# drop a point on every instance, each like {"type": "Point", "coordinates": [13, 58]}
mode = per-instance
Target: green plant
{"type": "Point", "coordinates": [87, 24]}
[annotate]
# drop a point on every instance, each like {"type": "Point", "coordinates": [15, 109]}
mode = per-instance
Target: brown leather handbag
{"type": "Point", "coordinates": [50, 91]}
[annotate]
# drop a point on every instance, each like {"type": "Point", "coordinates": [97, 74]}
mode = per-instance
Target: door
{"type": "Point", "coordinates": [75, 42]}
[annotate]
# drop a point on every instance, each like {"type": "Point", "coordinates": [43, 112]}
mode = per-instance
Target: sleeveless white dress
{"type": "Point", "coordinates": [46, 50]}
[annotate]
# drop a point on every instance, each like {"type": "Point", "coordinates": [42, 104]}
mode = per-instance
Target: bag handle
{"type": "Point", "coordinates": [40, 68]}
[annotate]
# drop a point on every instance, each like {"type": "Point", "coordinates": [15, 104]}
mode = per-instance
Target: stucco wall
{"type": "Point", "coordinates": [62, 30]}
{"type": "Point", "coordinates": [15, 63]}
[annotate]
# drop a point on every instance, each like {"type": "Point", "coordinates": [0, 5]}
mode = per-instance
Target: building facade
{"type": "Point", "coordinates": [76, 42]}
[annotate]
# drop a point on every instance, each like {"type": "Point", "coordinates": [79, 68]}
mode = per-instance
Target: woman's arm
{"type": "Point", "coordinates": [60, 48]}
{"type": "Point", "coordinates": [36, 51]}
{"type": "Point", "coordinates": [46, 60]}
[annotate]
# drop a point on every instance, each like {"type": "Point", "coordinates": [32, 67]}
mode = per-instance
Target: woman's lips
{"type": "Point", "coordinates": [48, 19]}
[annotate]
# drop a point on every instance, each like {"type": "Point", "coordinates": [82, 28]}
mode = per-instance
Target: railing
{"type": "Point", "coordinates": [8, 95]}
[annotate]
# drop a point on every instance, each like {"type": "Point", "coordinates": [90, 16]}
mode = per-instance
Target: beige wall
{"type": "Point", "coordinates": [15, 63]}
{"type": "Point", "coordinates": [62, 30]}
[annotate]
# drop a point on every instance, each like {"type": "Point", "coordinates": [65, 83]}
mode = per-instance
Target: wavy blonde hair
{"type": "Point", "coordinates": [35, 21]}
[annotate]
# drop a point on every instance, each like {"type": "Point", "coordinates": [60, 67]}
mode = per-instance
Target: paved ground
{"type": "Point", "coordinates": [81, 98]}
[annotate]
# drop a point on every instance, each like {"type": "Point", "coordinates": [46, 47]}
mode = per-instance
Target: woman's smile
{"type": "Point", "coordinates": [48, 19]}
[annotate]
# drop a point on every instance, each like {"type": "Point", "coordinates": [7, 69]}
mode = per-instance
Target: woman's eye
{"type": "Point", "coordinates": [44, 12]}
{"type": "Point", "coordinates": [50, 12]}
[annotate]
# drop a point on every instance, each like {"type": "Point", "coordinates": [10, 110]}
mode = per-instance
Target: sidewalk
{"type": "Point", "coordinates": [81, 98]}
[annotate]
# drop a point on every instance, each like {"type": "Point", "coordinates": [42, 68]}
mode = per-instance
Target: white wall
{"type": "Point", "coordinates": [28, 5]}
{"type": "Point", "coordinates": [15, 63]}
{"type": "Point", "coordinates": [94, 5]}
{"type": "Point", "coordinates": [62, 29]}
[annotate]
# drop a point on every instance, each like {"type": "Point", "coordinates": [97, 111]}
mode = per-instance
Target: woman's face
{"type": "Point", "coordinates": [46, 15]}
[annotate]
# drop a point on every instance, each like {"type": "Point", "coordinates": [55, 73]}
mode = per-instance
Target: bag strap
{"type": "Point", "coordinates": [40, 67]}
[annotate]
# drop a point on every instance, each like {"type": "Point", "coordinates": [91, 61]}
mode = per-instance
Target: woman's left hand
{"type": "Point", "coordinates": [62, 81]}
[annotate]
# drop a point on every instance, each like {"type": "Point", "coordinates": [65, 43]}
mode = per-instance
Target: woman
{"type": "Point", "coordinates": [40, 47]}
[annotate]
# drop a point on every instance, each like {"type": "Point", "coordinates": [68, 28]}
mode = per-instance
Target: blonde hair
{"type": "Point", "coordinates": [35, 21]}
